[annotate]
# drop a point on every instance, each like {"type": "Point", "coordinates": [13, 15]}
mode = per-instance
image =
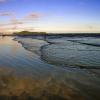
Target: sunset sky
{"type": "Point", "coordinates": [61, 16]}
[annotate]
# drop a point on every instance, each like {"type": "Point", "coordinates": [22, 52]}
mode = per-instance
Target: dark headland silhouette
{"type": "Point", "coordinates": [28, 33]}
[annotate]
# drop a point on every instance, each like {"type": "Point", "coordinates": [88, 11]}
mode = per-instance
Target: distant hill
{"type": "Point", "coordinates": [26, 33]}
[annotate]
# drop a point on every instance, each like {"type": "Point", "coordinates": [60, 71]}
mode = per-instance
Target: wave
{"type": "Point", "coordinates": [65, 52]}
{"type": "Point", "coordinates": [31, 44]}
{"type": "Point", "coordinates": [72, 53]}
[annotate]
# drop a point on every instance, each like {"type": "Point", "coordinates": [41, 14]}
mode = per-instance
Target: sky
{"type": "Point", "coordinates": [52, 16]}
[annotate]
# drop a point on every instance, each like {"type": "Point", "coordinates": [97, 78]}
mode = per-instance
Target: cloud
{"type": "Point", "coordinates": [11, 16]}
{"type": "Point", "coordinates": [2, 1]}
{"type": "Point", "coordinates": [5, 14]}
{"type": "Point", "coordinates": [29, 17]}
{"type": "Point", "coordinates": [14, 22]}
{"type": "Point", "coordinates": [33, 16]}
{"type": "Point", "coordinates": [11, 23]}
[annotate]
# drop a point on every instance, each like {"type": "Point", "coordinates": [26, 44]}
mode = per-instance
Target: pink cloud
{"type": "Point", "coordinates": [5, 14]}
{"type": "Point", "coordinates": [15, 23]}
{"type": "Point", "coordinates": [33, 16]}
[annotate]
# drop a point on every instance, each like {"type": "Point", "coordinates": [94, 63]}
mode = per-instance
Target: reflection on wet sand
{"type": "Point", "coordinates": [23, 76]}
{"type": "Point", "coordinates": [73, 85]}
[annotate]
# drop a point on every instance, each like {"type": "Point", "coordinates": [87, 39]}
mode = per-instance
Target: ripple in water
{"type": "Point", "coordinates": [72, 53]}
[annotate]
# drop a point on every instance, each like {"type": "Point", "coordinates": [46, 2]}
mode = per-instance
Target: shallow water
{"type": "Point", "coordinates": [73, 52]}
{"type": "Point", "coordinates": [26, 72]}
